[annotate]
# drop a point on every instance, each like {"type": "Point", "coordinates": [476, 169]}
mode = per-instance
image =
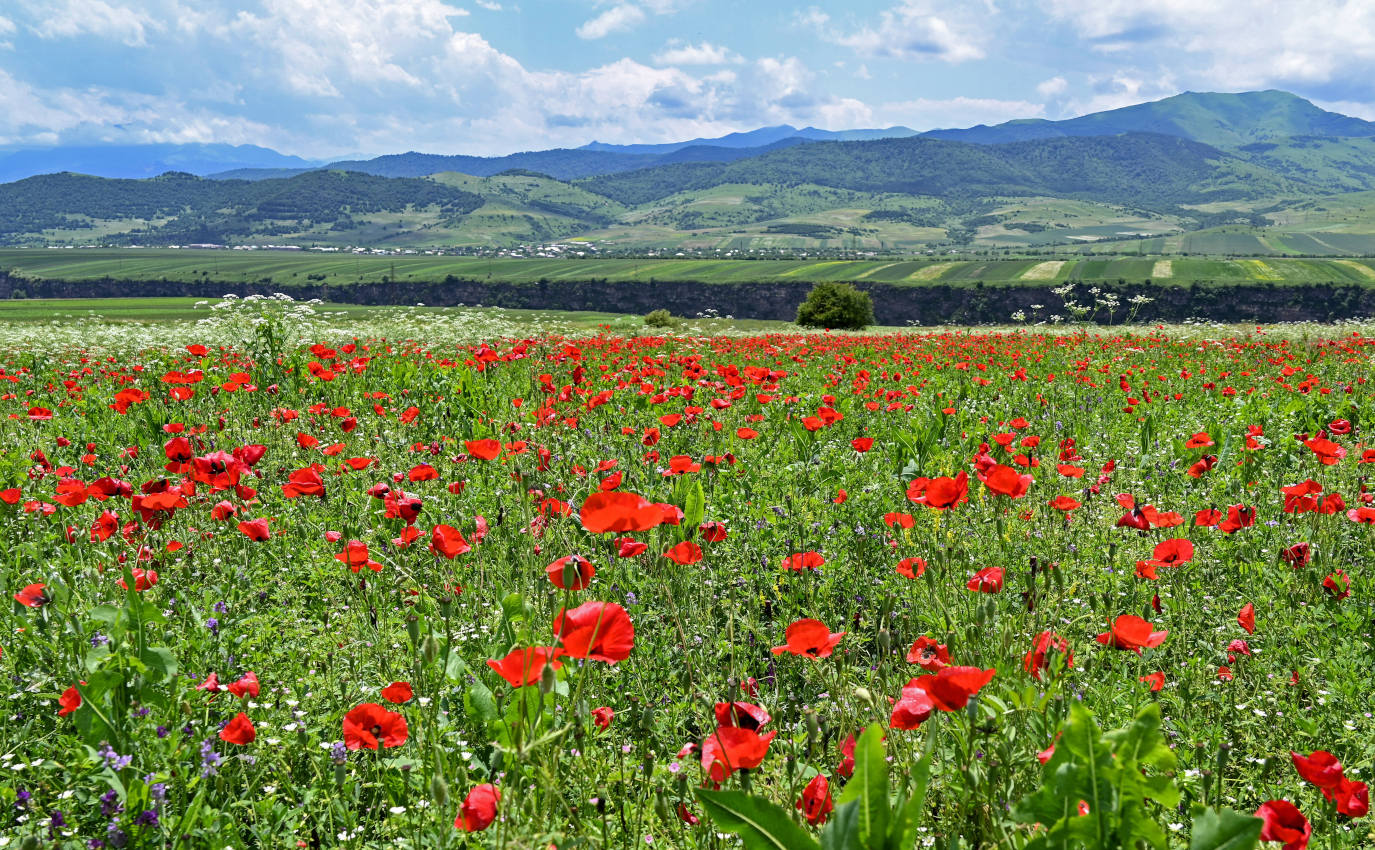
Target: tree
{"type": "Point", "coordinates": [836, 305]}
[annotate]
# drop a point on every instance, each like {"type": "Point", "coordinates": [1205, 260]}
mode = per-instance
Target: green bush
{"type": "Point", "coordinates": [836, 305]}
{"type": "Point", "coordinates": [660, 318]}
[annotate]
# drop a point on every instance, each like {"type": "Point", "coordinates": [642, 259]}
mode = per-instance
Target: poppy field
{"type": "Point", "coordinates": [337, 585]}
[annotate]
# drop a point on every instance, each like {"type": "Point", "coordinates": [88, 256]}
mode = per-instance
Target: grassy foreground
{"type": "Point", "coordinates": [362, 582]}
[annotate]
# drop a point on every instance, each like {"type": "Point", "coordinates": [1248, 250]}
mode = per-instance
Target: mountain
{"type": "Point", "coordinates": [135, 161]}
{"type": "Point", "coordinates": [1217, 119]}
{"type": "Point", "coordinates": [763, 137]}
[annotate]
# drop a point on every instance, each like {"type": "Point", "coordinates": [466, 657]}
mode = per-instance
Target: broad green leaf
{"type": "Point", "coordinates": [760, 824]}
{"type": "Point", "coordinates": [479, 703]}
{"type": "Point", "coordinates": [161, 664]}
{"type": "Point", "coordinates": [842, 830]}
{"type": "Point", "coordinates": [1225, 829]}
{"type": "Point", "coordinates": [695, 505]}
{"type": "Point", "coordinates": [869, 787]}
{"type": "Point", "coordinates": [902, 831]}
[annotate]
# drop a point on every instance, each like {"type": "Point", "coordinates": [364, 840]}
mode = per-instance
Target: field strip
{"type": "Point", "coordinates": [874, 270]}
{"type": "Point", "coordinates": [1162, 268]}
{"type": "Point", "coordinates": [812, 267]}
{"type": "Point", "coordinates": [1260, 270]}
{"type": "Point", "coordinates": [1360, 267]}
{"type": "Point", "coordinates": [1043, 271]}
{"type": "Point", "coordinates": [931, 272]}
{"type": "Point", "coordinates": [1325, 244]}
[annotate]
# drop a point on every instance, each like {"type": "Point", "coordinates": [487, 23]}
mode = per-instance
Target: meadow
{"type": "Point", "coordinates": [290, 576]}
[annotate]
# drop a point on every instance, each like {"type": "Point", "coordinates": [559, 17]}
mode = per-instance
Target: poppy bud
{"type": "Point", "coordinates": [661, 806]}
{"type": "Point", "coordinates": [439, 790]}
{"type": "Point", "coordinates": [885, 641]}
{"type": "Point", "coordinates": [413, 628]}
{"type": "Point", "coordinates": [429, 649]}
{"type": "Point", "coordinates": [32, 842]}
{"type": "Point", "coordinates": [647, 718]}
{"type": "Point", "coordinates": [340, 773]}
{"type": "Point", "coordinates": [866, 696]}
{"type": "Point", "coordinates": [547, 679]}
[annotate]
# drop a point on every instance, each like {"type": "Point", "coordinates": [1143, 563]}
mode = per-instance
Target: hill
{"type": "Point", "coordinates": [135, 161]}
{"type": "Point", "coordinates": [762, 138]}
{"type": "Point", "coordinates": [1217, 119]}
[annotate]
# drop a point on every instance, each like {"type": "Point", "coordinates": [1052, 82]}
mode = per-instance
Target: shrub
{"type": "Point", "coordinates": [836, 305]}
{"type": "Point", "coordinates": [660, 318]}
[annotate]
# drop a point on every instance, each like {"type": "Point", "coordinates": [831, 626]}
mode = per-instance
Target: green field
{"type": "Point", "coordinates": [287, 269]}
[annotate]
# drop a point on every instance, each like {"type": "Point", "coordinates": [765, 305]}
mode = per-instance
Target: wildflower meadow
{"type": "Point", "coordinates": [441, 582]}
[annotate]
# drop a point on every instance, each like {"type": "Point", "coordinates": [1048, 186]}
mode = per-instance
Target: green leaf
{"type": "Point", "coordinates": [695, 506]}
{"type": "Point", "coordinates": [479, 703]}
{"type": "Point", "coordinates": [1225, 829]}
{"type": "Point", "coordinates": [760, 824]}
{"type": "Point", "coordinates": [842, 830]}
{"type": "Point", "coordinates": [161, 664]}
{"type": "Point", "coordinates": [869, 786]}
{"type": "Point", "coordinates": [902, 831]}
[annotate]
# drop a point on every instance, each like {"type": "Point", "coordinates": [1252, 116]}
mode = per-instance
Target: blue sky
{"type": "Point", "coordinates": [326, 78]}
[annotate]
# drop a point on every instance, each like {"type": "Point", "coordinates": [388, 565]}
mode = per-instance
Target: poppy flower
{"type": "Point", "coordinates": [246, 686]}
{"type": "Point", "coordinates": [815, 802]}
{"type": "Point", "coordinates": [862, 444]}
{"type": "Point", "coordinates": [629, 548]}
{"type": "Point", "coordinates": [479, 808]}
{"type": "Point", "coordinates": [1320, 767]}
{"type": "Point", "coordinates": [356, 556]}
{"type": "Point", "coordinates": [603, 716]}
{"type": "Point", "coordinates": [1064, 503]}
{"type": "Point", "coordinates": [1200, 466]}
{"type": "Point", "coordinates": [804, 561]}
{"type": "Point", "coordinates": [940, 493]}
{"type": "Point", "coordinates": [713, 532]}
{"type": "Point", "coordinates": [1337, 584]}
{"type": "Point", "coordinates": [1238, 517]}
{"type": "Point", "coordinates": [810, 639]}
{"type": "Point", "coordinates": [1006, 481]}
{"type": "Point", "coordinates": [448, 541]}
{"type": "Point", "coordinates": [370, 724]}
{"type": "Point", "coordinates": [1133, 633]}
{"type": "Point", "coordinates": [483, 449]}
{"type": "Point", "coordinates": [255, 530]}
{"type": "Point", "coordinates": [69, 701]}
{"type": "Point", "coordinates": [1352, 798]}
{"type": "Point", "coordinates": [1201, 440]}
{"type": "Point", "coordinates": [143, 579]}
{"type": "Point", "coordinates": [1247, 618]}
{"type": "Point", "coordinates": [928, 655]}
{"type": "Point", "coordinates": [523, 667]}
{"type": "Point", "coordinates": [32, 595]}
{"type": "Point", "coordinates": [398, 692]}
{"type": "Point", "coordinates": [731, 748]}
{"type": "Point", "coordinates": [912, 568]}
{"type": "Point", "coordinates": [952, 687]}
{"type": "Point", "coordinates": [571, 572]}
{"type": "Point", "coordinates": [987, 580]}
{"type": "Point", "coordinates": [239, 731]}
{"type": "Point", "coordinates": [911, 710]}
{"type": "Point", "coordinates": [685, 553]}
{"type": "Point", "coordinates": [899, 520]}
{"type": "Point", "coordinates": [601, 631]}
{"type": "Point", "coordinates": [1037, 660]}
{"type": "Point", "coordinates": [1285, 824]}
{"type": "Point", "coordinates": [1297, 555]}
{"type": "Point", "coordinates": [304, 482]}
{"type": "Point", "coordinates": [1327, 452]}
{"type": "Point", "coordinates": [745, 715]}
{"type": "Point", "coordinates": [619, 511]}
{"type": "Point", "coordinates": [846, 768]}
{"type": "Point", "coordinates": [1156, 680]}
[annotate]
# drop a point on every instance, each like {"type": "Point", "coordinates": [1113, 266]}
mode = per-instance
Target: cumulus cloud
{"type": "Point", "coordinates": [706, 53]}
{"type": "Point", "coordinates": [930, 113]}
{"type": "Point", "coordinates": [913, 29]}
{"type": "Point", "coordinates": [616, 19]}
{"type": "Point", "coordinates": [68, 18]}
{"type": "Point", "coordinates": [1052, 86]}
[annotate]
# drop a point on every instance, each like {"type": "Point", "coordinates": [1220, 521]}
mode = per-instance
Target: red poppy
{"type": "Point", "coordinates": [952, 687]}
{"type": "Point", "coordinates": [523, 667]}
{"type": "Point", "coordinates": [483, 449]}
{"type": "Point", "coordinates": [1327, 452]}
{"type": "Point", "coordinates": [912, 709]}
{"type": "Point", "coordinates": [899, 520]}
{"type": "Point", "coordinates": [1297, 555]}
{"type": "Point", "coordinates": [1156, 680]}
{"type": "Point", "coordinates": [810, 639]}
{"type": "Point", "coordinates": [1036, 659]}
{"type": "Point", "coordinates": [731, 748]}
{"type": "Point", "coordinates": [1337, 584]}
{"type": "Point", "coordinates": [862, 444]}
{"type": "Point", "coordinates": [713, 532]}
{"type": "Point", "coordinates": [1201, 440]}
{"type": "Point", "coordinates": [1247, 618]}
{"type": "Point", "coordinates": [1320, 768]}
{"type": "Point", "coordinates": [804, 561]}
{"type": "Point", "coordinates": [143, 579]}
{"type": "Point", "coordinates": [398, 692]}
{"type": "Point", "coordinates": [32, 595]}
{"type": "Point", "coordinates": [69, 701]}
{"type": "Point", "coordinates": [603, 716]}
{"type": "Point", "coordinates": [628, 548]}
{"type": "Point", "coordinates": [846, 768]}
{"type": "Point", "coordinates": [815, 802]}
{"type": "Point", "coordinates": [304, 482]}
{"type": "Point", "coordinates": [928, 655]}
{"type": "Point", "coordinates": [911, 567]}
{"type": "Point", "coordinates": [1285, 824]}
{"type": "Point", "coordinates": [601, 631]}
{"type": "Point", "coordinates": [448, 541]}
{"type": "Point", "coordinates": [618, 511]}
{"type": "Point", "coordinates": [246, 686]}
{"type": "Point", "coordinates": [940, 493]}
{"type": "Point", "coordinates": [370, 724]}
{"type": "Point", "coordinates": [1238, 517]}
{"type": "Point", "coordinates": [1352, 798]}
{"type": "Point", "coordinates": [685, 553]}
{"type": "Point", "coordinates": [255, 530]}
{"type": "Point", "coordinates": [239, 731]}
{"type": "Point", "coordinates": [1006, 481]}
{"type": "Point", "coordinates": [987, 580]}
{"type": "Point", "coordinates": [355, 555]}
{"type": "Point", "coordinates": [479, 808]}
{"type": "Point", "coordinates": [1133, 633]}
{"type": "Point", "coordinates": [571, 572]}
{"type": "Point", "coordinates": [745, 715]}
{"type": "Point", "coordinates": [1064, 503]}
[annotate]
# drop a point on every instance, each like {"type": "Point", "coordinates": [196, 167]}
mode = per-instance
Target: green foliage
{"type": "Point", "coordinates": [836, 305]}
{"type": "Point", "coordinates": [660, 318]}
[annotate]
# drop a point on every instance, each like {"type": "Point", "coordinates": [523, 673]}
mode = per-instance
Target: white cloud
{"type": "Point", "coordinates": [1052, 86]}
{"type": "Point", "coordinates": [706, 53]}
{"type": "Point", "coordinates": [913, 29]}
{"type": "Point", "coordinates": [929, 113]}
{"type": "Point", "coordinates": [488, 5]}
{"type": "Point", "coordinates": [616, 19]}
{"type": "Point", "coordinates": [70, 18]}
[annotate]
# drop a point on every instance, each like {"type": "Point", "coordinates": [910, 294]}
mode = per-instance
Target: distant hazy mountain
{"type": "Point", "coordinates": [135, 161]}
{"type": "Point", "coordinates": [1221, 120]}
{"type": "Point", "coordinates": [763, 137]}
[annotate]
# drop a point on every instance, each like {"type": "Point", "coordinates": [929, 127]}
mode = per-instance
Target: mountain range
{"type": "Point", "coordinates": [1185, 163]}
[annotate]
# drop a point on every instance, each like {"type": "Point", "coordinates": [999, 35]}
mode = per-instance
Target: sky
{"type": "Point", "coordinates": [332, 78]}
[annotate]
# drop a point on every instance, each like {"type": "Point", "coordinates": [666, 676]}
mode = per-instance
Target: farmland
{"type": "Point", "coordinates": [288, 268]}
{"type": "Point", "coordinates": [433, 579]}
